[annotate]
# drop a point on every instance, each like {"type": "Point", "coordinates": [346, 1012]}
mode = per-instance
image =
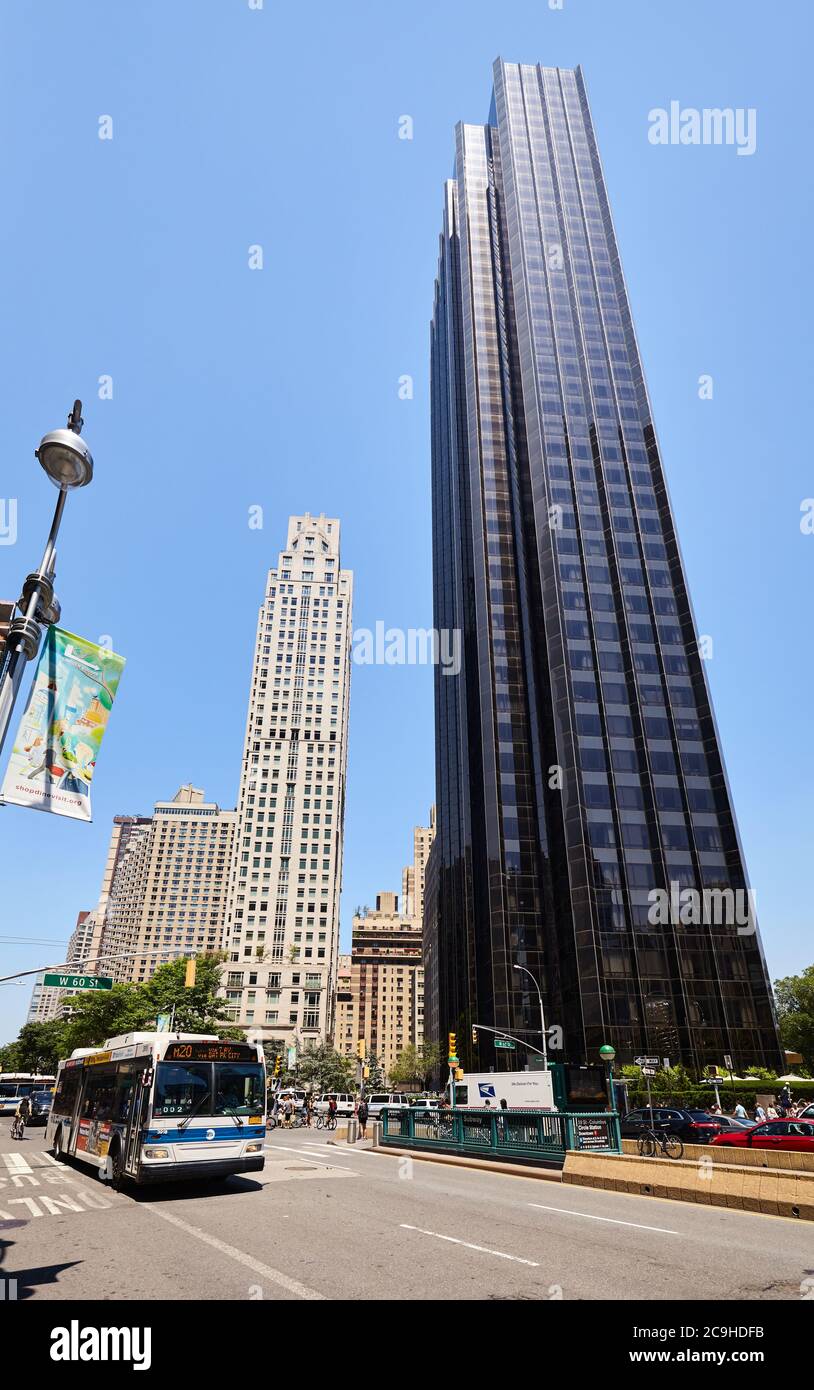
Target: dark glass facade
{"type": "Point", "coordinates": [578, 766]}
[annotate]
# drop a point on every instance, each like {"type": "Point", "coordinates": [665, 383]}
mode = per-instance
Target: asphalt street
{"type": "Point", "coordinates": [330, 1221]}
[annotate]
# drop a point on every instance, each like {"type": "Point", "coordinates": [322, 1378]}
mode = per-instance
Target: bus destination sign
{"type": "Point", "coordinates": [210, 1052]}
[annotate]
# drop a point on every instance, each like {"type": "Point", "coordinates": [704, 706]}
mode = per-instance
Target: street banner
{"type": "Point", "coordinates": [54, 756]}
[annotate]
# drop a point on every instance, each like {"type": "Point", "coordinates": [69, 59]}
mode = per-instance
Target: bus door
{"type": "Point", "coordinates": [79, 1105]}
{"type": "Point", "coordinates": [138, 1119]}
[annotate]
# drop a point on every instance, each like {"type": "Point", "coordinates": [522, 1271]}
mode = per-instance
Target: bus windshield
{"type": "Point", "coordinates": [239, 1088]}
{"type": "Point", "coordinates": [186, 1088]}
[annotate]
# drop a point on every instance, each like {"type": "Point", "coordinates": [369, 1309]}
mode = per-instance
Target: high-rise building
{"type": "Point", "coordinates": [283, 930]}
{"type": "Point", "coordinates": [84, 945]}
{"type": "Point", "coordinates": [387, 980]}
{"type": "Point", "coordinates": [413, 875]}
{"type": "Point", "coordinates": [578, 765]}
{"type": "Point", "coordinates": [166, 884]}
{"type": "Point", "coordinates": [344, 1018]}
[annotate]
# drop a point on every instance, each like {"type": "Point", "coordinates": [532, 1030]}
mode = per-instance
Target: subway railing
{"type": "Point", "coordinates": [542, 1135]}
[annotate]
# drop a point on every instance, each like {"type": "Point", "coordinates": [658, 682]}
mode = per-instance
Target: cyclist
{"type": "Point", "coordinates": [332, 1109]}
{"type": "Point", "coordinates": [21, 1117]}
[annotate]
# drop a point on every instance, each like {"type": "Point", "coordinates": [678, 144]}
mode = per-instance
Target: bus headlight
{"type": "Point", "coordinates": [253, 1148]}
{"type": "Point", "coordinates": [156, 1153]}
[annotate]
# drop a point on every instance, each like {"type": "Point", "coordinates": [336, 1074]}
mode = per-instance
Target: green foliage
{"type": "Point", "coordinates": [39, 1046]}
{"type": "Point", "coordinates": [321, 1068]}
{"type": "Point", "coordinates": [94, 1015]}
{"type": "Point", "coordinates": [375, 1079]}
{"type": "Point", "coordinates": [795, 1012]}
{"type": "Point", "coordinates": [415, 1065]}
{"type": "Point", "coordinates": [197, 1010]}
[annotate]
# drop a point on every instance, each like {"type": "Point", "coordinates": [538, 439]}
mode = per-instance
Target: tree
{"type": "Point", "coordinates": [10, 1057]}
{"type": "Point", "coordinates": [415, 1065]}
{"type": "Point", "coordinates": [321, 1068]}
{"type": "Point", "coordinates": [198, 1009]}
{"type": "Point", "coordinates": [795, 1012]}
{"type": "Point", "coordinates": [375, 1079]}
{"type": "Point", "coordinates": [94, 1015]}
{"type": "Point", "coordinates": [40, 1046]}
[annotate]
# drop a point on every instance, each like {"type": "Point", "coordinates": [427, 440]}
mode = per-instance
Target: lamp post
{"type": "Point", "coordinates": [542, 1016]}
{"type": "Point", "coordinates": [67, 460]}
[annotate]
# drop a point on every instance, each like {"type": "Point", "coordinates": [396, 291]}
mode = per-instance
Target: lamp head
{"type": "Point", "coordinates": [66, 459]}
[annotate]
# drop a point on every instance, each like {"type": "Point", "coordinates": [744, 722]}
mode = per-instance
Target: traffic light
{"type": "Point", "coordinates": [360, 1049]}
{"type": "Point", "coordinates": [459, 1073]}
{"type": "Point", "coordinates": [189, 979]}
{"type": "Point", "coordinates": [474, 1036]}
{"type": "Point", "coordinates": [277, 1062]}
{"type": "Point", "coordinates": [365, 1072]}
{"type": "Point", "coordinates": [453, 1049]}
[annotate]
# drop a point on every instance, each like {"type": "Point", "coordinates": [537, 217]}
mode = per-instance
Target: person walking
{"type": "Point", "coordinates": [760, 1114]}
{"type": "Point", "coordinates": [739, 1112]}
{"type": "Point", "coordinates": [784, 1100]}
{"type": "Point", "coordinates": [361, 1115]}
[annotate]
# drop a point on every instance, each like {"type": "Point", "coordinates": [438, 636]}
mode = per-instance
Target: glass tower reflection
{"type": "Point", "coordinates": [578, 766]}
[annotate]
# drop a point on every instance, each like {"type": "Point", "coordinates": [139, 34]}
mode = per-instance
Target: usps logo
{"type": "Point", "coordinates": [486, 1090]}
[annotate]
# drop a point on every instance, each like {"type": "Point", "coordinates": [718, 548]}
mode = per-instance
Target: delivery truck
{"type": "Point", "coordinates": [521, 1090]}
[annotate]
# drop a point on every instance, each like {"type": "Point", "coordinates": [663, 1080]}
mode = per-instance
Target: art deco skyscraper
{"type": "Point", "coordinates": [283, 928]}
{"type": "Point", "coordinates": [578, 765]}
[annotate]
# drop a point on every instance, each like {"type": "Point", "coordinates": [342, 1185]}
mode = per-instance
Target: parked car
{"type": "Point", "coordinates": [785, 1136]}
{"type": "Point", "coordinates": [41, 1102]}
{"type": "Point", "coordinates": [807, 1113]}
{"type": "Point", "coordinates": [345, 1102]}
{"type": "Point", "coordinates": [427, 1103]}
{"type": "Point", "coordinates": [693, 1126]}
{"type": "Point", "coordinates": [389, 1100]}
{"type": "Point", "coordinates": [730, 1122]}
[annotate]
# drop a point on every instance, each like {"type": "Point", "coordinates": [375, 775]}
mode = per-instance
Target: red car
{"type": "Point", "coordinates": [796, 1136]}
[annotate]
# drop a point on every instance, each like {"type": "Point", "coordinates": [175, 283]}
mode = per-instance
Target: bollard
{"type": "Point", "coordinates": [353, 1130]}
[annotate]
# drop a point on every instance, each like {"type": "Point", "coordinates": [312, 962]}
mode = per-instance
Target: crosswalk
{"type": "Point", "coordinates": [57, 1190]}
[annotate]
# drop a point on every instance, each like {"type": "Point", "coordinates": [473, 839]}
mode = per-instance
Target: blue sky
{"type": "Point", "coordinates": [231, 388]}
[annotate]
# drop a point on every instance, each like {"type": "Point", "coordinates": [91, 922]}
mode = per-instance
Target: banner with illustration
{"type": "Point", "coordinates": [54, 755]}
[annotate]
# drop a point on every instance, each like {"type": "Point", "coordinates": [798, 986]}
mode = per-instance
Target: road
{"type": "Point", "coordinates": [335, 1222]}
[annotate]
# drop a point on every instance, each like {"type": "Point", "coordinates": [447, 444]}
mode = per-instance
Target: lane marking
{"type": "Point", "coordinates": [482, 1249]}
{"type": "Point", "coordinates": [612, 1220]}
{"type": "Point", "coordinates": [275, 1276]}
{"type": "Point", "coordinates": [284, 1148]}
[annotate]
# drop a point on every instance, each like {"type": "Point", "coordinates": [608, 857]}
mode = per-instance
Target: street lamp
{"type": "Point", "coordinates": [542, 1016]}
{"type": "Point", "coordinates": [67, 460]}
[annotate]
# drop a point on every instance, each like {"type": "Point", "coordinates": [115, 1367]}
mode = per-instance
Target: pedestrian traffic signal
{"type": "Point", "coordinates": [474, 1035]}
{"type": "Point", "coordinates": [360, 1049]}
{"type": "Point", "coordinates": [189, 979]}
{"type": "Point", "coordinates": [366, 1072]}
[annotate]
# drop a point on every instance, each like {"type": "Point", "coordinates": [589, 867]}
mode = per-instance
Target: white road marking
{"type": "Point", "coordinates": [589, 1216]}
{"type": "Point", "coordinates": [275, 1276]}
{"type": "Point", "coordinates": [483, 1250]}
{"type": "Point", "coordinates": [284, 1148]}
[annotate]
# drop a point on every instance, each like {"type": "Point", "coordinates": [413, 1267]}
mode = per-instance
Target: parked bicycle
{"type": "Point", "coordinates": [652, 1141]}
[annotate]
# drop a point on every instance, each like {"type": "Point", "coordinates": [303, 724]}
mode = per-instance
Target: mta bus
{"type": "Point", "coordinates": [160, 1107]}
{"type": "Point", "coordinates": [16, 1084]}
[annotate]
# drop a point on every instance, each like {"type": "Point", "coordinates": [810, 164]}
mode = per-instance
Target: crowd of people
{"type": "Point", "coordinates": [785, 1108]}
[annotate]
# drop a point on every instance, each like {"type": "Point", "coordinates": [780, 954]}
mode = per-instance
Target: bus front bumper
{"type": "Point", "coordinates": [201, 1170]}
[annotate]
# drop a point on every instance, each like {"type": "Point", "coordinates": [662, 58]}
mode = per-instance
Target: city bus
{"type": "Point", "coordinates": [160, 1107]}
{"type": "Point", "coordinates": [16, 1084]}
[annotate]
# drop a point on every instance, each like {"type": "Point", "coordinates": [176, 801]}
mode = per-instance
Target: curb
{"type": "Point", "coordinates": [513, 1170]}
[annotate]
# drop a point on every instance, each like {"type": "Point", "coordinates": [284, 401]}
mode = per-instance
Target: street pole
{"type": "Point", "coordinates": [542, 1015]}
{"type": "Point", "coordinates": [67, 460]}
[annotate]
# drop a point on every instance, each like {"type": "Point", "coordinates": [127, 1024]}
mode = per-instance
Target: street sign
{"type": "Point", "coordinates": [78, 981]}
{"type": "Point", "coordinates": [649, 1071]}
{"type": "Point", "coordinates": [504, 1042]}
{"type": "Point", "coordinates": [646, 1061]}
{"type": "Point", "coordinates": [728, 1062]}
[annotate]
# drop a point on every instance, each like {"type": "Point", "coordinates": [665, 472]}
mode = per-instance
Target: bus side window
{"type": "Point", "coordinates": [125, 1082]}
{"type": "Point", "coordinates": [66, 1092]}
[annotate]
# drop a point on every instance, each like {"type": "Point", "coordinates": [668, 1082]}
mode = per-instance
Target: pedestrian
{"type": "Point", "coordinates": [739, 1112]}
{"type": "Point", "coordinates": [784, 1100]}
{"type": "Point", "coordinates": [309, 1109]}
{"type": "Point", "coordinates": [361, 1115]}
{"type": "Point", "coordinates": [760, 1113]}
{"type": "Point", "coordinates": [771, 1113]}
{"type": "Point", "coordinates": [504, 1105]}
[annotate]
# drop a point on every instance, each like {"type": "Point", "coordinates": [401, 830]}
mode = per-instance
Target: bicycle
{"type": "Point", "coordinates": [17, 1127]}
{"type": "Point", "coordinates": [326, 1121]}
{"type": "Point", "coordinates": [652, 1140]}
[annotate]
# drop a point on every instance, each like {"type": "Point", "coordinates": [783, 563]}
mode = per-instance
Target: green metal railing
{"type": "Point", "coordinates": [541, 1135]}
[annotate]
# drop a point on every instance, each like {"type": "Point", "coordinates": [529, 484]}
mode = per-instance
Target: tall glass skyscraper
{"type": "Point", "coordinates": [578, 765]}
